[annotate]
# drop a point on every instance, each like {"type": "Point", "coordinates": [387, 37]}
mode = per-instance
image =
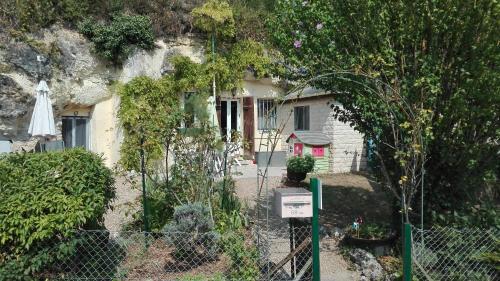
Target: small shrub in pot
{"type": "Point", "coordinates": [297, 167]}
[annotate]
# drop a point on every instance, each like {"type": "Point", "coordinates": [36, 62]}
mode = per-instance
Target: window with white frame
{"type": "Point", "coordinates": [75, 131]}
{"type": "Point", "coordinates": [301, 118]}
{"type": "Point", "coordinates": [266, 114]}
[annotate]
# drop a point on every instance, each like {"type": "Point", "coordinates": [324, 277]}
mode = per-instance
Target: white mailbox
{"type": "Point", "coordinates": [293, 202]}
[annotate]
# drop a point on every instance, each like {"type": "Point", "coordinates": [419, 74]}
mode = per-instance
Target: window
{"type": "Point", "coordinates": [301, 118]}
{"type": "Point", "coordinates": [266, 109]}
{"type": "Point", "coordinates": [297, 149]}
{"type": "Point", "coordinates": [318, 151]}
{"type": "Point", "coordinates": [75, 131]}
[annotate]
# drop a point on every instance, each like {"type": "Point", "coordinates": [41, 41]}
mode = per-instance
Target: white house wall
{"type": "Point", "coordinates": [348, 146]}
{"type": "Point", "coordinates": [261, 90]}
{"type": "Point", "coordinates": [258, 89]}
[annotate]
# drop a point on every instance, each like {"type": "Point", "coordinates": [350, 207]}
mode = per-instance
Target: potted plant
{"type": "Point", "coordinates": [297, 167]}
{"type": "Point", "coordinates": [377, 237]}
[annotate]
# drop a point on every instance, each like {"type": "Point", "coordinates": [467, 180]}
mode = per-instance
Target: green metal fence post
{"type": "Point", "coordinates": [315, 229]}
{"type": "Point", "coordinates": [407, 263]}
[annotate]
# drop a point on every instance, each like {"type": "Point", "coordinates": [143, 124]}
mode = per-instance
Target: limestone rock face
{"type": "Point", "coordinates": [15, 104]}
{"type": "Point", "coordinates": [75, 75]}
{"type": "Point", "coordinates": [24, 58]}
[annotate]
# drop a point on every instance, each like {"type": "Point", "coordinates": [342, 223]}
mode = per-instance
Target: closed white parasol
{"type": "Point", "coordinates": [42, 120]}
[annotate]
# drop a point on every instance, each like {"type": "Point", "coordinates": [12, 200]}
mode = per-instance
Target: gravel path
{"type": "Point", "coordinates": [122, 206]}
{"type": "Point", "coordinates": [345, 196]}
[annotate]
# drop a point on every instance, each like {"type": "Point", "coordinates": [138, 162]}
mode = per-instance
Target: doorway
{"type": "Point", "coordinates": [230, 119]}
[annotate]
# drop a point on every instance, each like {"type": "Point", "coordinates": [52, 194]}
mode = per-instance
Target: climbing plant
{"type": "Point", "coordinates": [215, 17]}
{"type": "Point", "coordinates": [149, 113]}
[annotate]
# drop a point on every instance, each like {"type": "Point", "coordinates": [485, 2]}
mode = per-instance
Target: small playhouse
{"type": "Point", "coordinates": [316, 144]}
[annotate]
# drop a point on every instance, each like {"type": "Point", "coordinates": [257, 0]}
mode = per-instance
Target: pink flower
{"type": "Point", "coordinates": [319, 26]}
{"type": "Point", "coordinates": [297, 44]}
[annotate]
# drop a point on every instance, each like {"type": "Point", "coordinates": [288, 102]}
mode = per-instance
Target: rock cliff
{"type": "Point", "coordinates": [76, 77]}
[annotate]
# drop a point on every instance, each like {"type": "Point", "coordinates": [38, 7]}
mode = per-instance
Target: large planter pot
{"type": "Point", "coordinates": [294, 176]}
{"type": "Point", "coordinates": [379, 246]}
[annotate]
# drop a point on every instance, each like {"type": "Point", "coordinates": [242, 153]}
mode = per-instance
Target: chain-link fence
{"type": "Point", "coordinates": [286, 255]}
{"type": "Point", "coordinates": [104, 255]}
{"type": "Point", "coordinates": [452, 254]}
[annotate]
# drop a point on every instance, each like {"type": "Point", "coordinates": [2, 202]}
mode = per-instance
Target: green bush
{"type": "Point", "coordinates": [298, 164]}
{"type": "Point", "coordinates": [45, 198]}
{"type": "Point", "coordinates": [116, 41]}
{"type": "Point", "coordinates": [372, 231]}
{"type": "Point", "coordinates": [34, 14]}
{"type": "Point", "coordinates": [191, 233]}
{"type": "Point", "coordinates": [244, 257]}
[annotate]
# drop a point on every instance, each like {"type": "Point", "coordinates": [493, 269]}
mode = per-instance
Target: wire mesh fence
{"type": "Point", "coordinates": [452, 254]}
{"type": "Point", "coordinates": [104, 255]}
{"type": "Point", "coordinates": [286, 255]}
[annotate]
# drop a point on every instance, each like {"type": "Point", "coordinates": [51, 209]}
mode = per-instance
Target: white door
{"type": "Point", "coordinates": [230, 119]}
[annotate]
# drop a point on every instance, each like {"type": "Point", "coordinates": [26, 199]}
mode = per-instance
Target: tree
{"type": "Point", "coordinates": [419, 78]}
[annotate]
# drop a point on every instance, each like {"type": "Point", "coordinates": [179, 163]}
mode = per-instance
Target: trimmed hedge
{"type": "Point", "coordinates": [44, 198]}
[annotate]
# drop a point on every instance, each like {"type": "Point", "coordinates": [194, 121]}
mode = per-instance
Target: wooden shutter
{"type": "Point", "coordinates": [248, 126]}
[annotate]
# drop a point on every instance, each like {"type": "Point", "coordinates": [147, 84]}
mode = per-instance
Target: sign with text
{"type": "Point", "coordinates": [293, 202]}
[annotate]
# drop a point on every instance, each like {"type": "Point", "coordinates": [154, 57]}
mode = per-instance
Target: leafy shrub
{"type": "Point", "coordinates": [482, 215]}
{"type": "Point", "coordinates": [34, 14]}
{"type": "Point", "coordinates": [244, 257]}
{"type": "Point", "coordinates": [45, 197]}
{"type": "Point", "coordinates": [300, 164]}
{"type": "Point", "coordinates": [116, 41]}
{"type": "Point", "coordinates": [160, 207]}
{"type": "Point", "coordinates": [372, 231]}
{"type": "Point", "coordinates": [191, 233]}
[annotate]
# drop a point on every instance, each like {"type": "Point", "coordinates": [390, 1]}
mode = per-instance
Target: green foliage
{"type": "Point", "coordinates": [372, 231]}
{"type": "Point", "coordinates": [438, 56]}
{"type": "Point", "coordinates": [149, 111]}
{"type": "Point", "coordinates": [248, 17]}
{"type": "Point", "coordinates": [228, 211]}
{"type": "Point", "coordinates": [34, 14]}
{"type": "Point", "coordinates": [215, 16]}
{"type": "Point", "coordinates": [229, 68]}
{"type": "Point", "coordinates": [485, 215]}
{"type": "Point", "coordinates": [492, 258]}
{"type": "Point", "coordinates": [191, 232]}
{"type": "Point", "coordinates": [299, 164]}
{"type": "Point", "coordinates": [202, 277]}
{"type": "Point", "coordinates": [116, 41]}
{"type": "Point", "coordinates": [244, 257]}
{"type": "Point", "coordinates": [247, 54]}
{"type": "Point", "coordinates": [45, 198]}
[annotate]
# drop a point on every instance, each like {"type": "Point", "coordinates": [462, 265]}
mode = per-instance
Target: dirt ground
{"type": "Point", "coordinates": [347, 196]}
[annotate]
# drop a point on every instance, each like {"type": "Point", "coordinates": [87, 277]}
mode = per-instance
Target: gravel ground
{"type": "Point", "coordinates": [122, 206]}
{"type": "Point", "coordinates": [345, 196]}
